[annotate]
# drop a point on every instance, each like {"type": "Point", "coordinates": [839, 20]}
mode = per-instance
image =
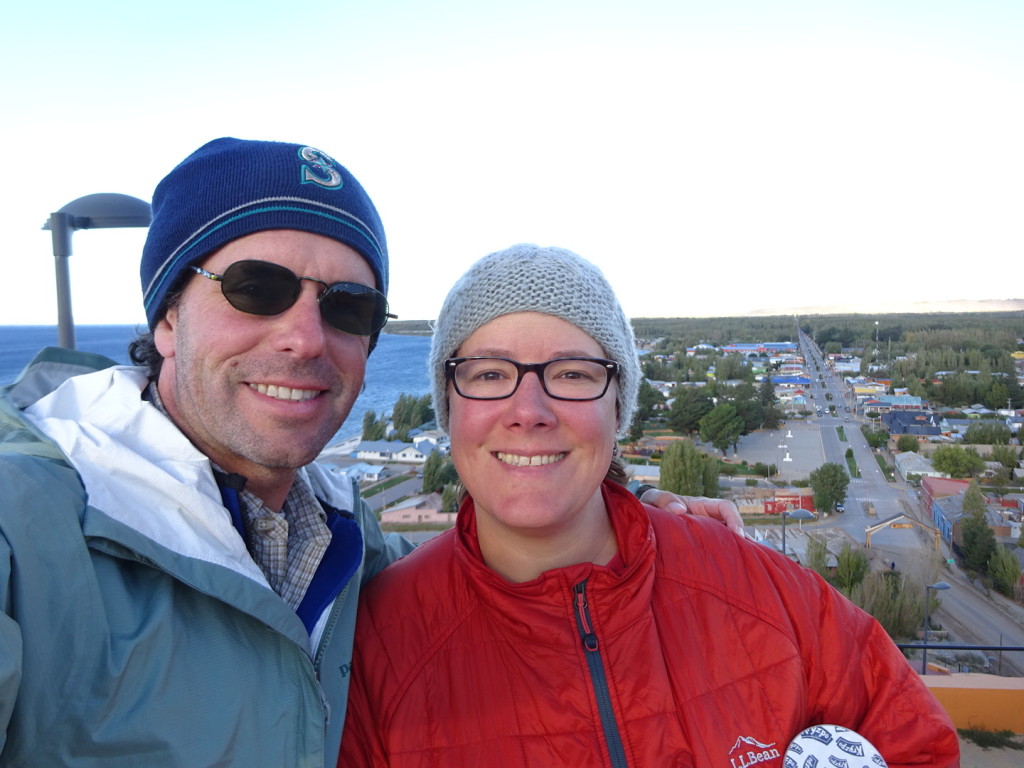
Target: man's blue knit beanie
{"type": "Point", "coordinates": [232, 187]}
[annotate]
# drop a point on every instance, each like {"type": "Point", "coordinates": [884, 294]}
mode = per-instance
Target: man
{"type": "Point", "coordinates": [178, 581]}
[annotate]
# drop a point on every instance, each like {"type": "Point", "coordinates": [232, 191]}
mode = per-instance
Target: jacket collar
{"type": "Point", "coordinates": [537, 609]}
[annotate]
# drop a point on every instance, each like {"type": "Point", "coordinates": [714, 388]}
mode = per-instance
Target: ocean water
{"type": "Point", "coordinates": [397, 366]}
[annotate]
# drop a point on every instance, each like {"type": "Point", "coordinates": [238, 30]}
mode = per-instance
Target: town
{"type": "Point", "coordinates": [917, 475]}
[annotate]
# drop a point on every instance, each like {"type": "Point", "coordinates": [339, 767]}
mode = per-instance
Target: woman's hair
{"type": "Point", "coordinates": [617, 472]}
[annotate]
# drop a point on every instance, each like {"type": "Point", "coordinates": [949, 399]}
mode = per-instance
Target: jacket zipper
{"type": "Point", "coordinates": [321, 649]}
{"type": "Point", "coordinates": [598, 678]}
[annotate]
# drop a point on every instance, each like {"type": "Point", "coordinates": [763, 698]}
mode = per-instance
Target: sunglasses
{"type": "Point", "coordinates": [263, 288]}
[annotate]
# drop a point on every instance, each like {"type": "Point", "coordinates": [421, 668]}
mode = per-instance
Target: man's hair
{"type": "Point", "coordinates": [142, 349]}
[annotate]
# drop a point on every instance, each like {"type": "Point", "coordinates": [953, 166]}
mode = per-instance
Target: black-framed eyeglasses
{"type": "Point", "coordinates": [265, 288]}
{"type": "Point", "coordinates": [564, 378]}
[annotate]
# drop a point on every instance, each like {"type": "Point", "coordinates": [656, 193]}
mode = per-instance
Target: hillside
{"type": "Point", "coordinates": [959, 306]}
{"type": "Point", "coordinates": [893, 307]}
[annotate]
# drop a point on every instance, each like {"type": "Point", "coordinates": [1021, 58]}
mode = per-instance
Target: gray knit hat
{"type": "Point", "coordinates": [528, 278]}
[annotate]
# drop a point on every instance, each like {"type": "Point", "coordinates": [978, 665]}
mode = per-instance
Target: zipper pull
{"type": "Point", "coordinates": [583, 618]}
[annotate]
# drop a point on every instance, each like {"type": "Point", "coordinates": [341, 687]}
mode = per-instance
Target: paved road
{"type": "Point", "coordinates": [972, 614]}
{"type": "Point", "coordinates": [975, 615]}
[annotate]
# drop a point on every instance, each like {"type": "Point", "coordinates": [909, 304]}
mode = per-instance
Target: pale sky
{"type": "Point", "coordinates": [712, 157]}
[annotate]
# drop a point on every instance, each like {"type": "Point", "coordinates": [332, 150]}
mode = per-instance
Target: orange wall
{"type": "Point", "coordinates": [988, 702]}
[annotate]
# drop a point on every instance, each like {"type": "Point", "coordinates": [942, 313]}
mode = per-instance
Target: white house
{"type": "Point", "coordinates": [367, 473]}
{"type": "Point", "coordinates": [397, 451]}
{"type": "Point", "coordinates": [426, 443]}
{"type": "Point", "coordinates": [412, 454]}
{"type": "Point", "coordinates": [361, 472]}
{"type": "Point", "coordinates": [378, 450]}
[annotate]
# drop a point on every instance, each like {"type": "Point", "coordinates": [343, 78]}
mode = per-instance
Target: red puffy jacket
{"type": "Point", "coordinates": [706, 650]}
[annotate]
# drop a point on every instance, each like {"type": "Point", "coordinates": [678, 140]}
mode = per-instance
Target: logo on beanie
{"type": "Point", "coordinates": [320, 170]}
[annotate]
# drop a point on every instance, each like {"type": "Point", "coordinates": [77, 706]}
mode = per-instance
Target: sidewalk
{"type": "Point", "coordinates": [973, 756]}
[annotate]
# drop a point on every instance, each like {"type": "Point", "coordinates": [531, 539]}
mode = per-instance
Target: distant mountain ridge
{"type": "Point", "coordinates": [897, 308]}
{"type": "Point", "coordinates": [425, 327]}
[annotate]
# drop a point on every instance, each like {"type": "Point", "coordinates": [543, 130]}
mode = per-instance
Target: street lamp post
{"type": "Point", "coordinates": [103, 210]}
{"type": "Point", "coordinates": [924, 651]}
{"type": "Point", "coordinates": [796, 514]}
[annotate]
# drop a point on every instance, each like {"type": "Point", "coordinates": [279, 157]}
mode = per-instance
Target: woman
{"type": "Point", "coordinates": [564, 623]}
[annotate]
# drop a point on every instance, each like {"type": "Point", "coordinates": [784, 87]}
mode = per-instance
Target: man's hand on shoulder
{"type": "Point", "coordinates": [722, 510]}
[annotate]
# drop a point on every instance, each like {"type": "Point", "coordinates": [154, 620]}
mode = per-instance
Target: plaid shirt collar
{"type": "Point", "coordinates": [287, 545]}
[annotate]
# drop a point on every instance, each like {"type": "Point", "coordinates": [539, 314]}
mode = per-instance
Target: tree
{"type": "Point", "coordinates": [675, 474]}
{"type": "Point", "coordinates": [829, 482]}
{"type": "Point", "coordinates": [907, 443]}
{"type": "Point", "coordinates": [1005, 455]}
{"type": "Point", "coordinates": [722, 427]}
{"type": "Point", "coordinates": [1004, 570]}
{"type": "Point", "coordinates": [987, 432]}
{"type": "Point", "coordinates": [877, 438]}
{"type": "Point", "coordinates": [817, 555]}
{"type": "Point", "coordinates": [998, 394]}
{"type": "Point", "coordinates": [372, 428]}
{"type": "Point", "coordinates": [689, 407]}
{"type": "Point", "coordinates": [410, 412]}
{"type": "Point", "coordinates": [648, 398]}
{"type": "Point", "coordinates": [751, 412]}
{"type": "Point", "coordinates": [851, 568]}
{"type": "Point", "coordinates": [450, 498]}
{"type": "Point", "coordinates": [684, 470]}
{"type": "Point", "coordinates": [894, 602]}
{"type": "Point", "coordinates": [438, 472]}
{"type": "Point", "coordinates": [957, 461]}
{"type": "Point", "coordinates": [766, 392]}
{"type": "Point", "coordinates": [431, 472]}
{"type": "Point", "coordinates": [974, 499]}
{"type": "Point", "coordinates": [772, 418]}
{"type": "Point", "coordinates": [636, 428]}
{"type": "Point", "coordinates": [1015, 393]}
{"type": "Point", "coordinates": [979, 541]}
{"type": "Point", "coordinates": [1002, 476]}
{"type": "Point", "coordinates": [710, 476]}
{"type": "Point", "coordinates": [733, 368]}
